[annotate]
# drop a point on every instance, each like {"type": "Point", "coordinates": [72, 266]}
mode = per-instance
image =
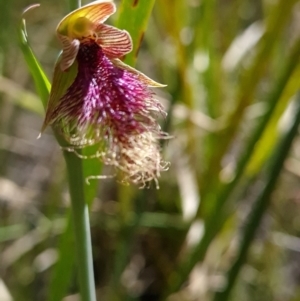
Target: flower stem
{"type": "Point", "coordinates": [82, 227]}
{"type": "Point", "coordinates": [80, 212]}
{"type": "Point", "coordinates": [75, 174]}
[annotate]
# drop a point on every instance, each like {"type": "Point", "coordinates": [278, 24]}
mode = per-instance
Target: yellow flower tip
{"type": "Point", "coordinates": [155, 84]}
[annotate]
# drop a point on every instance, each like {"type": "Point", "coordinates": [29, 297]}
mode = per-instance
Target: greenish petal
{"type": "Point", "coordinates": [62, 80]}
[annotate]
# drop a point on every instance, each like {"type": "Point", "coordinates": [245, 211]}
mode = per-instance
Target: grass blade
{"type": "Point", "coordinates": [41, 81]}
{"type": "Point", "coordinates": [260, 205]}
{"type": "Point", "coordinates": [247, 87]}
{"type": "Point", "coordinates": [216, 216]}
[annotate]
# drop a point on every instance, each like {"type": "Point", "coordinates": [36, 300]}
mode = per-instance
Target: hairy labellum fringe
{"type": "Point", "coordinates": [113, 106]}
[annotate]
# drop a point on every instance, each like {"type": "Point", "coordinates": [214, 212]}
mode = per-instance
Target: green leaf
{"type": "Point", "coordinates": [41, 81]}
{"type": "Point", "coordinates": [261, 203]}
{"type": "Point", "coordinates": [134, 16]}
{"type": "Point", "coordinates": [269, 137]}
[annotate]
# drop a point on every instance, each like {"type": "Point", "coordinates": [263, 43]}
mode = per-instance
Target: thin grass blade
{"type": "Point", "coordinates": [261, 204]}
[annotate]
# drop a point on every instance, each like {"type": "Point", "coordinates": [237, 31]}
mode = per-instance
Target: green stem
{"type": "Point", "coordinates": [260, 206]}
{"type": "Point", "coordinates": [76, 178]}
{"type": "Point", "coordinates": [81, 226]}
{"type": "Point", "coordinates": [81, 222]}
{"type": "Point", "coordinates": [74, 4]}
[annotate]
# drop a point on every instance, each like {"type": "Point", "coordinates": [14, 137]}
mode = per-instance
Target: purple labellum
{"type": "Point", "coordinates": [106, 97]}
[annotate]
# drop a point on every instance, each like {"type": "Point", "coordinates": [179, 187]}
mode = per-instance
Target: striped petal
{"type": "Point", "coordinates": [60, 84]}
{"type": "Point", "coordinates": [114, 42]}
{"type": "Point", "coordinates": [81, 22]}
{"type": "Point", "coordinates": [70, 50]}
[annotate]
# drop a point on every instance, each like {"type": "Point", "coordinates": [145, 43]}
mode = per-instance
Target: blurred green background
{"type": "Point", "coordinates": [225, 223]}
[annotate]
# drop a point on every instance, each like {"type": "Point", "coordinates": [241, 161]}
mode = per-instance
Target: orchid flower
{"type": "Point", "coordinates": [107, 101]}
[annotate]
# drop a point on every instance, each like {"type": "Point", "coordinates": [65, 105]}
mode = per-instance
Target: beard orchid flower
{"type": "Point", "coordinates": [105, 100]}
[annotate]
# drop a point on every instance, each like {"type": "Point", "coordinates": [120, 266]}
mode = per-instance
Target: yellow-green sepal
{"type": "Point", "coordinates": [62, 80]}
{"type": "Point", "coordinates": [141, 76]}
